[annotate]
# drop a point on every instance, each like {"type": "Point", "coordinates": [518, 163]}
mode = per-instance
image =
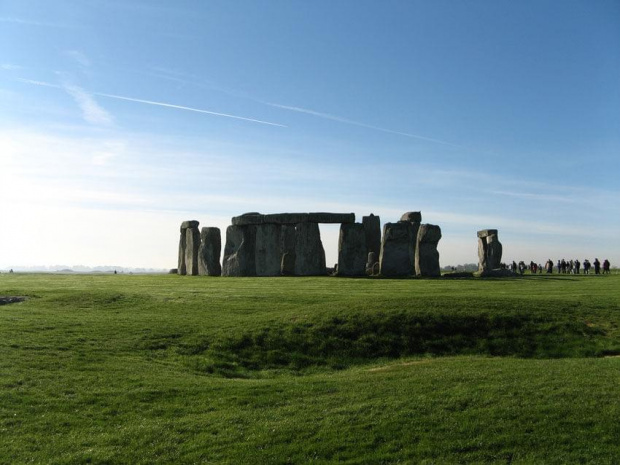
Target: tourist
{"type": "Point", "coordinates": [606, 267]}
{"type": "Point", "coordinates": [577, 266]}
{"type": "Point", "coordinates": [586, 266]}
{"type": "Point", "coordinates": [597, 266]}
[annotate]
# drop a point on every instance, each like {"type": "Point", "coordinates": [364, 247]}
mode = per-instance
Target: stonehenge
{"type": "Point", "coordinates": [489, 251]}
{"type": "Point", "coordinates": [289, 244]}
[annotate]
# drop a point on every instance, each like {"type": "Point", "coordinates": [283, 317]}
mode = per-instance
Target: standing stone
{"type": "Point", "coordinates": [372, 229]}
{"type": "Point", "coordinates": [396, 250]}
{"type": "Point", "coordinates": [370, 263]}
{"type": "Point", "coordinates": [427, 256]}
{"type": "Point", "coordinates": [182, 266]}
{"type": "Point", "coordinates": [209, 252]}
{"type": "Point", "coordinates": [309, 252]}
{"type": "Point", "coordinates": [268, 255]}
{"type": "Point", "coordinates": [239, 251]}
{"type": "Point", "coordinates": [352, 253]}
{"type": "Point", "coordinates": [489, 250]}
{"type": "Point", "coordinates": [192, 244]}
{"type": "Point", "coordinates": [415, 218]}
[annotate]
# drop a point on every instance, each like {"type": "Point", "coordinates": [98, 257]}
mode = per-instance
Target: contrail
{"type": "Point", "coordinates": [356, 123]}
{"type": "Point", "coordinates": [180, 107]}
{"type": "Point", "coordinates": [160, 104]}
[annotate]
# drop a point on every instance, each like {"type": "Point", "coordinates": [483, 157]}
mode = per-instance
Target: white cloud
{"type": "Point", "coordinates": [91, 111]}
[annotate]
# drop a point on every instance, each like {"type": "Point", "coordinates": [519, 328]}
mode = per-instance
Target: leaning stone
{"type": "Point", "coordinates": [372, 228]}
{"type": "Point", "coordinates": [239, 251]}
{"type": "Point", "coordinates": [192, 238]}
{"type": "Point", "coordinates": [268, 256]}
{"type": "Point", "coordinates": [209, 252]}
{"type": "Point", "coordinates": [396, 250]}
{"type": "Point", "coordinates": [352, 253]}
{"type": "Point", "coordinates": [309, 252]}
{"type": "Point", "coordinates": [427, 256]}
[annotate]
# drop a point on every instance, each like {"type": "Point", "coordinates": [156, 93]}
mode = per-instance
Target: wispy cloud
{"type": "Point", "coordinates": [31, 22]}
{"type": "Point", "coordinates": [91, 111]}
{"type": "Point", "coordinates": [181, 107]}
{"type": "Point", "coordinates": [10, 67]}
{"type": "Point", "coordinates": [79, 57]}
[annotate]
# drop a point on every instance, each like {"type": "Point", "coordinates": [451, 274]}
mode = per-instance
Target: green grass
{"type": "Point", "coordinates": [169, 369]}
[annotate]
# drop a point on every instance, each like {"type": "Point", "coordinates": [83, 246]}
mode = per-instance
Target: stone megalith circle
{"type": "Point", "coordinates": [426, 254]}
{"type": "Point", "coordinates": [352, 253]}
{"type": "Point", "coordinates": [396, 250]}
{"type": "Point", "coordinates": [309, 252]}
{"type": "Point", "coordinates": [209, 252]}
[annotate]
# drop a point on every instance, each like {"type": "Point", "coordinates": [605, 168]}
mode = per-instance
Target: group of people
{"type": "Point", "coordinates": [563, 267]}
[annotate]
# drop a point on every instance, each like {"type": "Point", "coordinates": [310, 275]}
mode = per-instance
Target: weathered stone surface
{"type": "Point", "coordinates": [239, 251]}
{"type": "Point", "coordinates": [487, 232]}
{"type": "Point", "coordinates": [426, 254]}
{"type": "Point", "coordinates": [209, 252]}
{"type": "Point", "coordinates": [292, 218]}
{"type": "Point", "coordinates": [352, 253]}
{"type": "Point", "coordinates": [489, 250]}
{"type": "Point", "coordinates": [323, 217]}
{"type": "Point", "coordinates": [309, 252]}
{"type": "Point", "coordinates": [415, 218]}
{"type": "Point", "coordinates": [372, 229]}
{"type": "Point", "coordinates": [396, 249]}
{"type": "Point", "coordinates": [371, 261]}
{"type": "Point", "coordinates": [192, 238]}
{"type": "Point", "coordinates": [268, 253]}
{"type": "Point", "coordinates": [189, 224]}
{"type": "Point", "coordinates": [287, 249]}
{"type": "Point", "coordinates": [181, 268]}
{"type": "Point", "coordinates": [287, 266]}
{"type": "Point", "coordinates": [412, 217]}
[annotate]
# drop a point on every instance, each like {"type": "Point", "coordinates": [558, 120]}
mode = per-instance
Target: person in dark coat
{"type": "Point", "coordinates": [597, 266]}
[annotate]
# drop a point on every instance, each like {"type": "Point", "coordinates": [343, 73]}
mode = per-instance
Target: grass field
{"type": "Point", "coordinates": [169, 369]}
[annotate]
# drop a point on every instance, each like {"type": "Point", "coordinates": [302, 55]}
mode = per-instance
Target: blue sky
{"type": "Point", "coordinates": [120, 119]}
